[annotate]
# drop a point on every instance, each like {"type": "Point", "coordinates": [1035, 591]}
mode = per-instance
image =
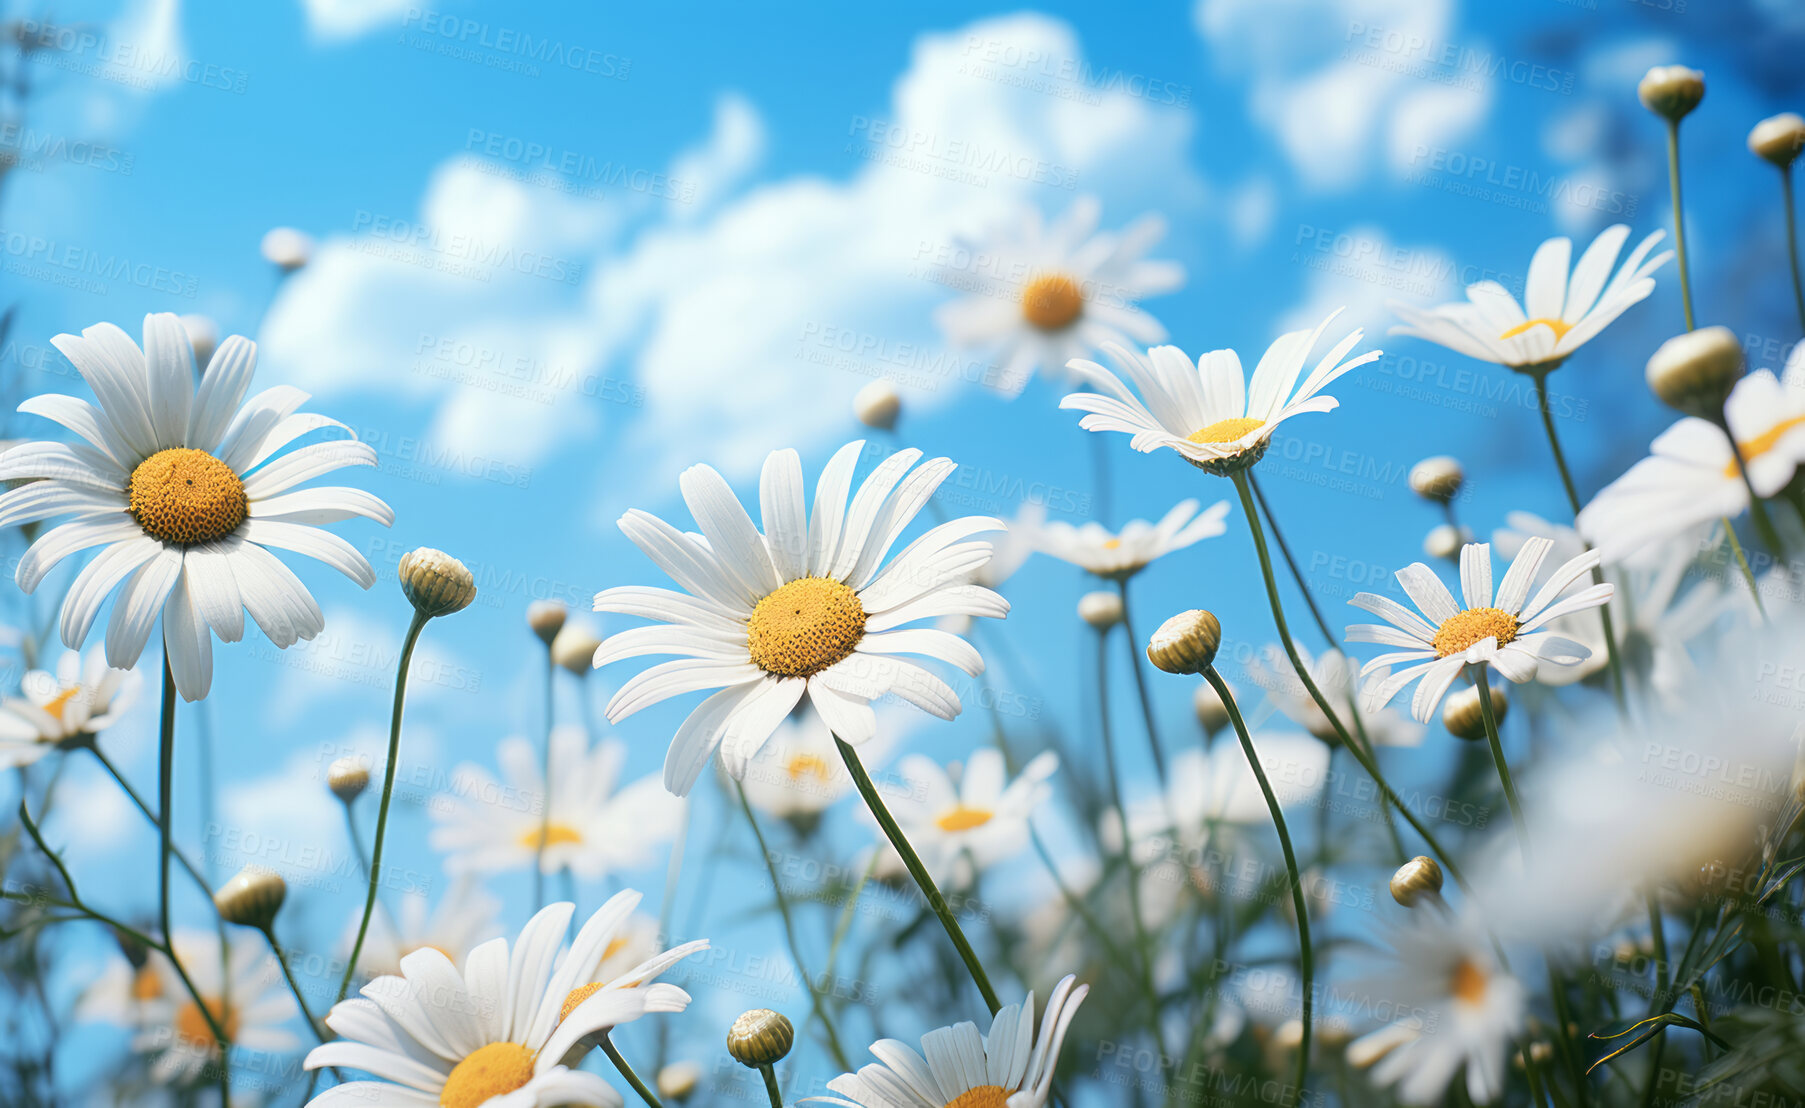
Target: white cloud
{"type": "Point", "coordinates": [347, 19]}
{"type": "Point", "coordinates": [1359, 270]}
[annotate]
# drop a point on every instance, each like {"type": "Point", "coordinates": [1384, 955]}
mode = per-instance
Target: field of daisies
{"type": "Point", "coordinates": [1518, 823]}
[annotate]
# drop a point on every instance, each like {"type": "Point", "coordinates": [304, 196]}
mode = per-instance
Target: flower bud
{"type": "Point", "coordinates": [203, 335]}
{"type": "Point", "coordinates": [574, 648]}
{"type": "Point", "coordinates": [1778, 138]}
{"type": "Point", "coordinates": [287, 249]}
{"type": "Point", "coordinates": [1438, 478]}
{"type": "Point", "coordinates": [1695, 372]}
{"type": "Point", "coordinates": [1444, 541]}
{"type": "Point", "coordinates": [1464, 719]}
{"type": "Point", "coordinates": [760, 1037]}
{"type": "Point", "coordinates": [679, 1080]}
{"type": "Point", "coordinates": [347, 777]}
{"type": "Point", "coordinates": [1211, 712]}
{"type": "Point", "coordinates": [252, 897]}
{"type": "Point", "coordinates": [1101, 609]}
{"type": "Point", "coordinates": [1671, 90]}
{"type": "Point", "coordinates": [546, 618]}
{"type": "Point", "coordinates": [878, 404]}
{"type": "Point", "coordinates": [1416, 879]}
{"type": "Point", "coordinates": [435, 583]}
{"type": "Point", "coordinates": [1186, 643]}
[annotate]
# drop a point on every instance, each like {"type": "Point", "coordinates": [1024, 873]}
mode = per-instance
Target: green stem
{"type": "Point", "coordinates": [1143, 945]}
{"type": "Point", "coordinates": [1764, 526]}
{"type": "Point", "coordinates": [1679, 220]}
{"type": "Point", "coordinates": [626, 1071]}
{"type": "Point", "coordinates": [545, 803]}
{"type": "Point", "coordinates": [138, 802]}
{"type": "Point", "coordinates": [1743, 562]}
{"type": "Point", "coordinates": [1306, 958]}
{"type": "Point", "coordinates": [288, 974]}
{"type": "Point", "coordinates": [388, 791]}
{"type": "Point", "coordinates": [1140, 687]}
{"type": "Point", "coordinates": [919, 872]}
{"type": "Point", "coordinates": [1479, 678]}
{"type": "Point", "coordinates": [1792, 242]}
{"type": "Point", "coordinates": [771, 1089]}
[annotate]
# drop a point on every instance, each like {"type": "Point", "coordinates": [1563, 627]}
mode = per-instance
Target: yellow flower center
{"type": "Point", "coordinates": [1463, 629]}
{"type": "Point", "coordinates": [1225, 430]}
{"type": "Point", "coordinates": [984, 1096]}
{"type": "Point", "coordinates": [147, 984]}
{"type": "Point", "coordinates": [804, 627]}
{"type": "Point", "coordinates": [186, 497]}
{"type": "Point", "coordinates": [191, 1027]}
{"type": "Point", "coordinates": [809, 765]}
{"type": "Point", "coordinates": [1112, 544]}
{"type": "Point", "coordinates": [1052, 302]}
{"type": "Point", "coordinates": [577, 996]}
{"type": "Point", "coordinates": [556, 834]}
{"type": "Point", "coordinates": [449, 956]}
{"type": "Point", "coordinates": [1560, 327]}
{"type": "Point", "coordinates": [1762, 443]}
{"type": "Point", "coordinates": [961, 818]}
{"type": "Point", "coordinates": [488, 1072]}
{"type": "Point", "coordinates": [61, 701]}
{"type": "Point", "coordinates": [1468, 982]}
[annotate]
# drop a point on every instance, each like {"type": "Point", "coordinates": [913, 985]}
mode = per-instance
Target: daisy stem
{"type": "Point", "coordinates": [1792, 242]}
{"type": "Point", "coordinates": [1142, 944]}
{"type": "Point", "coordinates": [789, 932]}
{"type": "Point", "coordinates": [545, 766]}
{"type": "Point", "coordinates": [1679, 221]}
{"type": "Point", "coordinates": [138, 802]}
{"type": "Point", "coordinates": [771, 1089]}
{"type": "Point", "coordinates": [1306, 959]}
{"type": "Point", "coordinates": [626, 1071]}
{"type": "Point", "coordinates": [1539, 379]}
{"type": "Point", "coordinates": [912, 861]}
{"type": "Point", "coordinates": [288, 974]}
{"type": "Point", "coordinates": [1747, 573]}
{"type": "Point", "coordinates": [1368, 762]}
{"type": "Point", "coordinates": [414, 628]}
{"type": "Point", "coordinates": [1140, 687]}
{"type": "Point", "coordinates": [1478, 675]}
{"type": "Point", "coordinates": [1764, 526]}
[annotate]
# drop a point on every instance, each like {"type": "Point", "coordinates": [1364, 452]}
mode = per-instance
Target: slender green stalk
{"type": "Point", "coordinates": [1792, 242]}
{"type": "Point", "coordinates": [789, 931]}
{"type": "Point", "coordinates": [288, 974]}
{"type": "Point", "coordinates": [771, 1089]}
{"type": "Point", "coordinates": [1306, 958]}
{"type": "Point", "coordinates": [1479, 677]}
{"type": "Point", "coordinates": [1138, 666]}
{"type": "Point", "coordinates": [545, 766]}
{"type": "Point", "coordinates": [843, 925]}
{"type": "Point", "coordinates": [138, 802]}
{"type": "Point", "coordinates": [919, 872]}
{"type": "Point", "coordinates": [1679, 219]}
{"type": "Point", "coordinates": [626, 1071]}
{"type": "Point", "coordinates": [1764, 526]}
{"type": "Point", "coordinates": [1142, 944]}
{"type": "Point", "coordinates": [1076, 903]}
{"type": "Point", "coordinates": [388, 792]}
{"type": "Point", "coordinates": [1743, 562]}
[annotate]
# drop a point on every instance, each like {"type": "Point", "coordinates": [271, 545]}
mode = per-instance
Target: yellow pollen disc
{"type": "Point", "coordinates": [984, 1096]}
{"type": "Point", "coordinates": [147, 985]}
{"type": "Point", "coordinates": [61, 701]}
{"type": "Point", "coordinates": [578, 995]}
{"type": "Point", "coordinates": [1052, 302]}
{"type": "Point", "coordinates": [1468, 983]}
{"type": "Point", "coordinates": [1560, 327]}
{"type": "Point", "coordinates": [186, 497]}
{"type": "Point", "coordinates": [808, 765]}
{"type": "Point", "coordinates": [489, 1072]}
{"type": "Point", "coordinates": [1112, 544]}
{"type": "Point", "coordinates": [1225, 430]}
{"type": "Point", "coordinates": [961, 818]}
{"type": "Point", "coordinates": [1762, 443]}
{"type": "Point", "coordinates": [615, 946]}
{"type": "Point", "coordinates": [191, 1026]}
{"type": "Point", "coordinates": [804, 627]}
{"type": "Point", "coordinates": [1463, 629]}
{"type": "Point", "coordinates": [556, 834]}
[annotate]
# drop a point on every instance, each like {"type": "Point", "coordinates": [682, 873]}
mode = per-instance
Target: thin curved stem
{"type": "Point", "coordinates": [1764, 525]}
{"type": "Point", "coordinates": [138, 802]}
{"type": "Point", "coordinates": [1679, 219]}
{"type": "Point", "coordinates": [1792, 242]}
{"type": "Point", "coordinates": [626, 1071]}
{"type": "Point", "coordinates": [1743, 562]}
{"type": "Point", "coordinates": [1306, 958]}
{"type": "Point", "coordinates": [545, 768]}
{"type": "Point", "coordinates": [388, 791]}
{"type": "Point", "coordinates": [919, 872]}
{"type": "Point", "coordinates": [1479, 677]}
{"type": "Point", "coordinates": [1142, 944]}
{"type": "Point", "coordinates": [771, 1089]}
{"type": "Point", "coordinates": [288, 974]}
{"type": "Point", "coordinates": [1138, 666]}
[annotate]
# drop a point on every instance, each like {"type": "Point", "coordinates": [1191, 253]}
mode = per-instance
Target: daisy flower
{"type": "Point", "coordinates": [78, 701]}
{"type": "Point", "coordinates": [977, 820]}
{"type": "Point", "coordinates": [1337, 676]}
{"type": "Point", "coordinates": [798, 774]}
{"type": "Point", "coordinates": [808, 608]}
{"type": "Point", "coordinates": [1119, 555]}
{"type": "Point", "coordinates": [1507, 634]}
{"type": "Point", "coordinates": [1466, 1010]}
{"type": "Point", "coordinates": [1690, 475]}
{"type": "Point", "coordinates": [250, 996]}
{"type": "Point", "coordinates": [490, 826]}
{"type": "Point", "coordinates": [958, 1066]}
{"type": "Point", "coordinates": [183, 490]}
{"type": "Point", "coordinates": [1065, 290]}
{"type": "Point", "coordinates": [466, 915]}
{"type": "Point", "coordinates": [1210, 413]}
{"type": "Point", "coordinates": [504, 1030]}
{"type": "Point", "coordinates": [1561, 312]}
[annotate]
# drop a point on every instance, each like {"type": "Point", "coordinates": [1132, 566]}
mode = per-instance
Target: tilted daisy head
{"type": "Point", "coordinates": [184, 491]}
{"type": "Point", "coordinates": [1561, 310]}
{"type": "Point", "coordinates": [974, 816]}
{"type": "Point", "coordinates": [1210, 413]}
{"type": "Point", "coordinates": [958, 1067]}
{"type": "Point", "coordinates": [811, 607]}
{"type": "Point", "coordinates": [81, 699]}
{"type": "Point", "coordinates": [1504, 632]}
{"type": "Point", "coordinates": [1119, 555]}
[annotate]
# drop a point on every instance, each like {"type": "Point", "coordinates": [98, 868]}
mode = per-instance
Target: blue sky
{"type": "Point", "coordinates": [699, 219]}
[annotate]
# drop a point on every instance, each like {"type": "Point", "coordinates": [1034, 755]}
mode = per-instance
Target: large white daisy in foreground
{"type": "Point", "coordinates": [501, 1033]}
{"type": "Point", "coordinates": [1012, 1067]}
{"type": "Point", "coordinates": [182, 488]}
{"type": "Point", "coordinates": [80, 700]}
{"type": "Point", "coordinates": [1119, 555]}
{"type": "Point", "coordinates": [1210, 413]}
{"type": "Point", "coordinates": [1061, 291]}
{"type": "Point", "coordinates": [1505, 634]}
{"type": "Point", "coordinates": [809, 607]}
{"type": "Point", "coordinates": [1561, 312]}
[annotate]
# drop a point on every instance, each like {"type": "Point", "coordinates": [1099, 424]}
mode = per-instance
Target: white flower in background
{"type": "Point", "coordinates": [1561, 311]}
{"type": "Point", "coordinates": [466, 916]}
{"type": "Point", "coordinates": [250, 995]}
{"type": "Point", "coordinates": [798, 774]}
{"type": "Point", "coordinates": [591, 823]}
{"type": "Point", "coordinates": [959, 1066]}
{"type": "Point", "coordinates": [182, 489]}
{"type": "Point", "coordinates": [1506, 635]}
{"type": "Point", "coordinates": [808, 608]}
{"type": "Point", "coordinates": [1119, 555]}
{"type": "Point", "coordinates": [1063, 291]}
{"type": "Point", "coordinates": [78, 699]}
{"type": "Point", "coordinates": [976, 820]}
{"type": "Point", "coordinates": [1009, 551]}
{"type": "Point", "coordinates": [1336, 675]}
{"type": "Point", "coordinates": [500, 1032]}
{"type": "Point", "coordinates": [1210, 413]}
{"type": "Point", "coordinates": [1690, 475]}
{"type": "Point", "coordinates": [1466, 1010]}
